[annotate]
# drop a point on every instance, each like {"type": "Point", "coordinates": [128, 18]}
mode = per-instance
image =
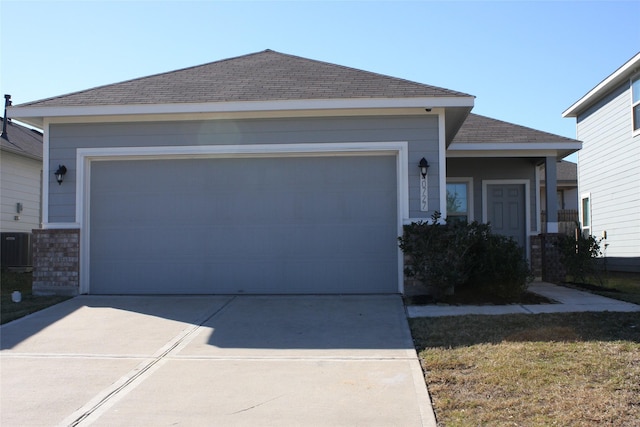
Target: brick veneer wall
{"type": "Point", "coordinates": [56, 262]}
{"type": "Point", "coordinates": [545, 258]}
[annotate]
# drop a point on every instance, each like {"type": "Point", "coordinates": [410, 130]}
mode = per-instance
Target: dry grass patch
{"type": "Point", "coordinates": [577, 369]}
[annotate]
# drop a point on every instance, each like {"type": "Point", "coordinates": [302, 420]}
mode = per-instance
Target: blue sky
{"type": "Point", "coordinates": [526, 62]}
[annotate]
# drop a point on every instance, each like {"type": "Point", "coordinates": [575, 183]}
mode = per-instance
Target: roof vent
{"type": "Point", "coordinates": [7, 103]}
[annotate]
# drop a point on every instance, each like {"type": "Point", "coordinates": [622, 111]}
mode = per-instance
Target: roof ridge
{"type": "Point", "coordinates": [143, 79]}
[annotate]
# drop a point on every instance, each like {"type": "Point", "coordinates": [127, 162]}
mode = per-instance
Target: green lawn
{"type": "Point", "coordinates": [9, 310]}
{"type": "Point", "coordinates": [569, 369]}
{"type": "Point", "coordinates": [621, 286]}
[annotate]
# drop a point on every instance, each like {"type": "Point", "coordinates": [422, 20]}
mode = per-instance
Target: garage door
{"type": "Point", "coordinates": [261, 225]}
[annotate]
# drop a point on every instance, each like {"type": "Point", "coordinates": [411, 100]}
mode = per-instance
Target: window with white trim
{"type": "Point", "coordinates": [635, 103]}
{"type": "Point", "coordinates": [585, 215]}
{"type": "Point", "coordinates": [458, 201]}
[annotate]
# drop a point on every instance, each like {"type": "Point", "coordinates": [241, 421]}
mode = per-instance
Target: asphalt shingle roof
{"type": "Point", "coordinates": [480, 129]}
{"type": "Point", "coordinates": [566, 172]}
{"type": "Point", "coordinates": [261, 76]}
{"type": "Point", "coordinates": [22, 140]}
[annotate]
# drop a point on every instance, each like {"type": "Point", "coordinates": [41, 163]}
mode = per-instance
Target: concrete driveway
{"type": "Point", "coordinates": [213, 361]}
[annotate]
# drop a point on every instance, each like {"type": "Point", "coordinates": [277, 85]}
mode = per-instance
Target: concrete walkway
{"type": "Point", "coordinates": [213, 361]}
{"type": "Point", "coordinates": [568, 300]}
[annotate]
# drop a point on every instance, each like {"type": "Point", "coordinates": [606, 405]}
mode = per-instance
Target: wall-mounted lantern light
{"type": "Point", "coordinates": [62, 170]}
{"type": "Point", "coordinates": [424, 166]}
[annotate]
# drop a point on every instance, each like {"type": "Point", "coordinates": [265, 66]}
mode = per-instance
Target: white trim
{"type": "Point", "coordinates": [239, 115]}
{"type": "Point", "coordinates": [274, 150]}
{"type": "Point", "coordinates": [61, 226]}
{"type": "Point", "coordinates": [38, 113]}
{"type": "Point", "coordinates": [506, 148]}
{"type": "Point", "coordinates": [583, 196]}
{"type": "Point", "coordinates": [85, 156]}
{"type": "Point", "coordinates": [634, 132]}
{"type": "Point", "coordinates": [527, 205]}
{"type": "Point", "coordinates": [470, 205]}
{"type": "Point", "coordinates": [402, 164]}
{"type": "Point", "coordinates": [45, 174]}
{"type": "Point", "coordinates": [442, 163]}
{"type": "Point", "coordinates": [538, 171]}
{"type": "Point", "coordinates": [560, 153]}
{"type": "Point", "coordinates": [607, 84]}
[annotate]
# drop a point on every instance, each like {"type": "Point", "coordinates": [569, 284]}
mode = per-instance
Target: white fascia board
{"type": "Point", "coordinates": [248, 106]}
{"type": "Point", "coordinates": [520, 149]}
{"type": "Point", "coordinates": [247, 115]}
{"type": "Point", "coordinates": [618, 76]}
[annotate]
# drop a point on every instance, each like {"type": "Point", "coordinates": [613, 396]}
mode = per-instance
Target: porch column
{"type": "Point", "coordinates": [551, 196]}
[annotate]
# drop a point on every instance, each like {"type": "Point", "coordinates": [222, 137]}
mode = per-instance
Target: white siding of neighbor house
{"type": "Point", "coordinates": [20, 182]}
{"type": "Point", "coordinates": [421, 133]}
{"type": "Point", "coordinates": [609, 169]}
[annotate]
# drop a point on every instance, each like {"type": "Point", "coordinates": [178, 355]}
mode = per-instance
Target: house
{"type": "Point", "coordinates": [268, 173]}
{"type": "Point", "coordinates": [500, 161]}
{"type": "Point", "coordinates": [567, 185]}
{"type": "Point", "coordinates": [608, 121]}
{"type": "Point", "coordinates": [20, 191]}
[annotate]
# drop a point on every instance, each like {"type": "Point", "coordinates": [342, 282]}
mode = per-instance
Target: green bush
{"type": "Point", "coordinates": [456, 254]}
{"type": "Point", "coordinates": [579, 255]}
{"type": "Point", "coordinates": [500, 267]}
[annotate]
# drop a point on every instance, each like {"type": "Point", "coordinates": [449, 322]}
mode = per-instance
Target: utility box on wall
{"type": "Point", "coordinates": [15, 250]}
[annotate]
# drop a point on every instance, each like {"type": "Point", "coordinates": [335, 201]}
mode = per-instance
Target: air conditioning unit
{"type": "Point", "coordinates": [15, 250]}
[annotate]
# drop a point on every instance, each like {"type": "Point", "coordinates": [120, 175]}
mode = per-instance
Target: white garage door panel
{"type": "Point", "coordinates": [251, 225]}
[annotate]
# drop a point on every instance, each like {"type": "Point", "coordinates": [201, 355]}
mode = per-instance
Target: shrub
{"type": "Point", "coordinates": [456, 254]}
{"type": "Point", "coordinates": [578, 254]}
{"type": "Point", "coordinates": [500, 267]}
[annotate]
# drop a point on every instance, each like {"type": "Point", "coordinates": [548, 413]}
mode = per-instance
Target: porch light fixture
{"type": "Point", "coordinates": [62, 170]}
{"type": "Point", "coordinates": [424, 166]}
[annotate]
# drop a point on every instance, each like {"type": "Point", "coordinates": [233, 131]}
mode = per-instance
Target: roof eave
{"type": "Point", "coordinates": [620, 75]}
{"type": "Point", "coordinates": [516, 149]}
{"type": "Point", "coordinates": [22, 153]}
{"type": "Point", "coordinates": [34, 115]}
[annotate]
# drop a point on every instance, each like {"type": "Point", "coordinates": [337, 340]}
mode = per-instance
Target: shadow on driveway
{"type": "Point", "coordinates": [135, 324]}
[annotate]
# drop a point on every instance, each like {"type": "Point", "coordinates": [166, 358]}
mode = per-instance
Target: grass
{"type": "Point", "coordinates": [621, 286]}
{"type": "Point", "coordinates": [569, 369]}
{"type": "Point", "coordinates": [13, 281]}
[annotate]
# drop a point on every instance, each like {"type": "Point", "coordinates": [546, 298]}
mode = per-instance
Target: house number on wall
{"type": "Point", "coordinates": [424, 200]}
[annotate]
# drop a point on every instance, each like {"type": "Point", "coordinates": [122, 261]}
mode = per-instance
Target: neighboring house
{"type": "Point", "coordinates": [567, 185]}
{"type": "Point", "coordinates": [272, 174]}
{"type": "Point", "coordinates": [608, 121]}
{"type": "Point", "coordinates": [20, 191]}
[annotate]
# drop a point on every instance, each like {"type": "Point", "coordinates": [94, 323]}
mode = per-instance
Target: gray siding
{"type": "Point", "coordinates": [20, 182]}
{"type": "Point", "coordinates": [492, 169]}
{"type": "Point", "coordinates": [609, 169]}
{"type": "Point", "coordinates": [420, 131]}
